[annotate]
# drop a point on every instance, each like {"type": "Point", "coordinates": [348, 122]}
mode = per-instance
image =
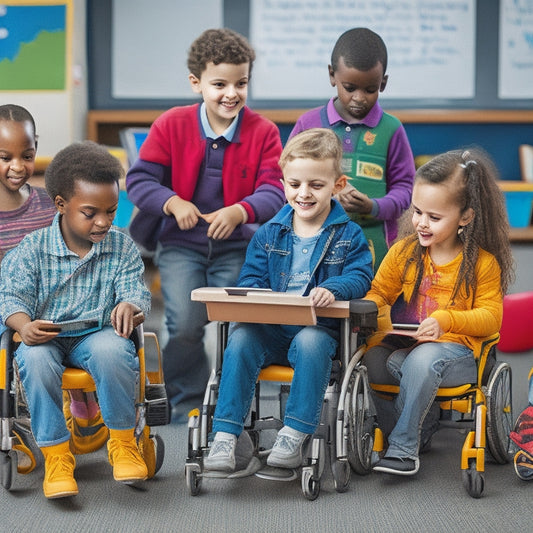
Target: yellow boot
{"type": "Point", "coordinates": [124, 456]}
{"type": "Point", "coordinates": [59, 466]}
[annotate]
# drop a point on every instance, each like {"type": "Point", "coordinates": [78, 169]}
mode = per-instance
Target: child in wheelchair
{"type": "Point", "coordinates": [309, 248]}
{"type": "Point", "coordinates": [74, 292]}
{"type": "Point", "coordinates": [449, 278]}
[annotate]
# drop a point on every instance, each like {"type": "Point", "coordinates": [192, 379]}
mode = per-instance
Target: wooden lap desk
{"type": "Point", "coordinates": [265, 307]}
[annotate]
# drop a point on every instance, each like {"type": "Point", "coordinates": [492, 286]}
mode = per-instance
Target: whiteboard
{"type": "Point", "coordinates": [150, 43]}
{"type": "Point", "coordinates": [431, 46]}
{"type": "Point", "coordinates": [515, 75]}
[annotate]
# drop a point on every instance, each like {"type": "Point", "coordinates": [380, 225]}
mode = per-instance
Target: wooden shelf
{"type": "Point", "coordinates": [524, 235]}
{"type": "Point", "coordinates": [103, 125]}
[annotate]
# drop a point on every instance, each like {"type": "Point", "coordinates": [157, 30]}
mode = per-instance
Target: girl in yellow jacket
{"type": "Point", "coordinates": [449, 277]}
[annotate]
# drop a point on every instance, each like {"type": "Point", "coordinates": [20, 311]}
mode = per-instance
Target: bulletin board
{"type": "Point", "coordinates": [455, 54]}
{"type": "Point", "coordinates": [33, 46]}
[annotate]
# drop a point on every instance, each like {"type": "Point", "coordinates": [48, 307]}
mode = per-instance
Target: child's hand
{"type": "Point", "coordinates": [223, 221]}
{"type": "Point", "coordinates": [38, 332]}
{"type": "Point", "coordinates": [124, 317]}
{"type": "Point", "coordinates": [321, 297]}
{"type": "Point", "coordinates": [355, 201]}
{"type": "Point", "coordinates": [429, 329]}
{"type": "Point", "coordinates": [185, 213]}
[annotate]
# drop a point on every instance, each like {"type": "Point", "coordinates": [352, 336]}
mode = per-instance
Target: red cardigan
{"type": "Point", "coordinates": [250, 161]}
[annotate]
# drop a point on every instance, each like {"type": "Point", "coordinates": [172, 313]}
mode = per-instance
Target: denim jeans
{"type": "Point", "coordinates": [420, 371]}
{"type": "Point", "coordinates": [185, 364]}
{"type": "Point", "coordinates": [112, 362]}
{"type": "Point", "coordinates": [309, 350]}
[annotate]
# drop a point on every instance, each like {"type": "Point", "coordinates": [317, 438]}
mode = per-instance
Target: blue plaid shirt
{"type": "Point", "coordinates": [44, 279]}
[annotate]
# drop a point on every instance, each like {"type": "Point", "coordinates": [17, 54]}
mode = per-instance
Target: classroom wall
{"type": "Point", "coordinates": [63, 119]}
{"type": "Point", "coordinates": [312, 23]}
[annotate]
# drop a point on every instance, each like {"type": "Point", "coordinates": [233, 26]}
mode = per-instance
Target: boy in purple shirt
{"type": "Point", "coordinates": [377, 157]}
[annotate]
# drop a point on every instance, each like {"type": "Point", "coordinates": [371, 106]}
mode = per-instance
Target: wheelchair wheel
{"type": "Point", "coordinates": [310, 483]}
{"type": "Point", "coordinates": [499, 413]}
{"type": "Point", "coordinates": [8, 464]}
{"type": "Point", "coordinates": [473, 481]}
{"type": "Point", "coordinates": [359, 424]}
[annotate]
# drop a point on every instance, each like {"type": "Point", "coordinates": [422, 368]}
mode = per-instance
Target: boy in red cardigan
{"type": "Point", "coordinates": [205, 175]}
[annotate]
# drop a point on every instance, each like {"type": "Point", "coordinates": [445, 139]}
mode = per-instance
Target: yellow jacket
{"type": "Point", "coordinates": [469, 320]}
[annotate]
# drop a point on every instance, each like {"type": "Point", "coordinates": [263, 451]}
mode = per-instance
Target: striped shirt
{"type": "Point", "coordinates": [44, 279]}
{"type": "Point", "coordinates": [36, 212]}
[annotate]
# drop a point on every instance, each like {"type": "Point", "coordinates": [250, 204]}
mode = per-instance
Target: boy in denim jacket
{"type": "Point", "coordinates": [310, 248]}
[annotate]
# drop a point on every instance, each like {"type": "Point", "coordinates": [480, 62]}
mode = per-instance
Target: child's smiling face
{"type": "Point", "coordinates": [87, 216]}
{"type": "Point", "coordinates": [437, 216]}
{"type": "Point", "coordinates": [224, 88]}
{"type": "Point", "coordinates": [309, 185]}
{"type": "Point", "coordinates": [17, 154]}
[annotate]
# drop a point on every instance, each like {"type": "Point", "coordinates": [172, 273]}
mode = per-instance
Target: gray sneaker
{"type": "Point", "coordinates": [222, 455]}
{"type": "Point", "coordinates": [287, 451]}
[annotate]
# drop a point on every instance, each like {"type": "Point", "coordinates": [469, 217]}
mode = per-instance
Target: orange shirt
{"type": "Point", "coordinates": [469, 320]}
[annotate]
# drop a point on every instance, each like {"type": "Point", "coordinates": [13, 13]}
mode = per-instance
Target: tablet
{"type": "Point", "coordinates": [74, 325]}
{"type": "Point", "coordinates": [410, 327]}
{"type": "Point", "coordinates": [243, 291]}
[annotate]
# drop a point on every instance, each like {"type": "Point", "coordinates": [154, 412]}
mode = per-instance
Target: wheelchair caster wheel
{"type": "Point", "coordinates": [341, 475]}
{"type": "Point", "coordinates": [194, 481]}
{"type": "Point", "coordinates": [159, 451]}
{"type": "Point", "coordinates": [310, 484]}
{"type": "Point", "coordinates": [473, 481]}
{"type": "Point", "coordinates": [8, 464]}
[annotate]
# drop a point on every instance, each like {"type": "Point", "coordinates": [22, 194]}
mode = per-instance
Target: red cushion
{"type": "Point", "coordinates": [516, 333]}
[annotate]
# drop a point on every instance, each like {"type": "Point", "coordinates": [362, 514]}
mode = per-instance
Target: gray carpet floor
{"type": "Point", "coordinates": [433, 500]}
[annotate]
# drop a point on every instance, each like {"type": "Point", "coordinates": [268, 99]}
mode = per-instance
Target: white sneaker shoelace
{"type": "Point", "coordinates": [222, 448]}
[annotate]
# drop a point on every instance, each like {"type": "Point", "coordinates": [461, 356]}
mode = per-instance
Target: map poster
{"type": "Point", "coordinates": [34, 45]}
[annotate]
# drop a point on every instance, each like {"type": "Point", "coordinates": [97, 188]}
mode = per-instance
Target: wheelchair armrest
{"type": "Point", "coordinates": [363, 314]}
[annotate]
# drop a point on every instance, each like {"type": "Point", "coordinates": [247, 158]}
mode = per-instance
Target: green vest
{"type": "Point", "coordinates": [364, 162]}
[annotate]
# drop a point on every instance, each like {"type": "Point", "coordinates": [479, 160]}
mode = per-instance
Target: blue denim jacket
{"type": "Point", "coordinates": [341, 261]}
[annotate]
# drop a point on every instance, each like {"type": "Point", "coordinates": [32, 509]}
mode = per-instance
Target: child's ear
{"type": "Point", "coordinates": [195, 83]}
{"type": "Point", "coordinates": [331, 76]}
{"type": "Point", "coordinates": [383, 83]}
{"type": "Point", "coordinates": [467, 217]}
{"type": "Point", "coordinates": [60, 203]}
{"type": "Point", "coordinates": [340, 184]}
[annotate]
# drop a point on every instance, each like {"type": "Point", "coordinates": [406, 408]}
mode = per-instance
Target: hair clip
{"type": "Point", "coordinates": [464, 156]}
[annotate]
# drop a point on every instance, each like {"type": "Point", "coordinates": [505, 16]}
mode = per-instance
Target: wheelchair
{"type": "Point", "coordinates": [19, 453]}
{"type": "Point", "coordinates": [483, 408]}
{"type": "Point", "coordinates": [340, 425]}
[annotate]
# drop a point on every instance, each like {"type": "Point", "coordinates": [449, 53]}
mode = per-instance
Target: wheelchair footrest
{"type": "Point", "coordinates": [157, 407]}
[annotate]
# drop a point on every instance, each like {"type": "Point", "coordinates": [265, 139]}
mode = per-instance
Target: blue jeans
{"type": "Point", "coordinates": [185, 364]}
{"type": "Point", "coordinates": [309, 350]}
{"type": "Point", "coordinates": [112, 362]}
{"type": "Point", "coordinates": [421, 370]}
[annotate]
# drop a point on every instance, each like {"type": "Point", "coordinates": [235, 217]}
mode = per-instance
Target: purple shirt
{"type": "Point", "coordinates": [400, 169]}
